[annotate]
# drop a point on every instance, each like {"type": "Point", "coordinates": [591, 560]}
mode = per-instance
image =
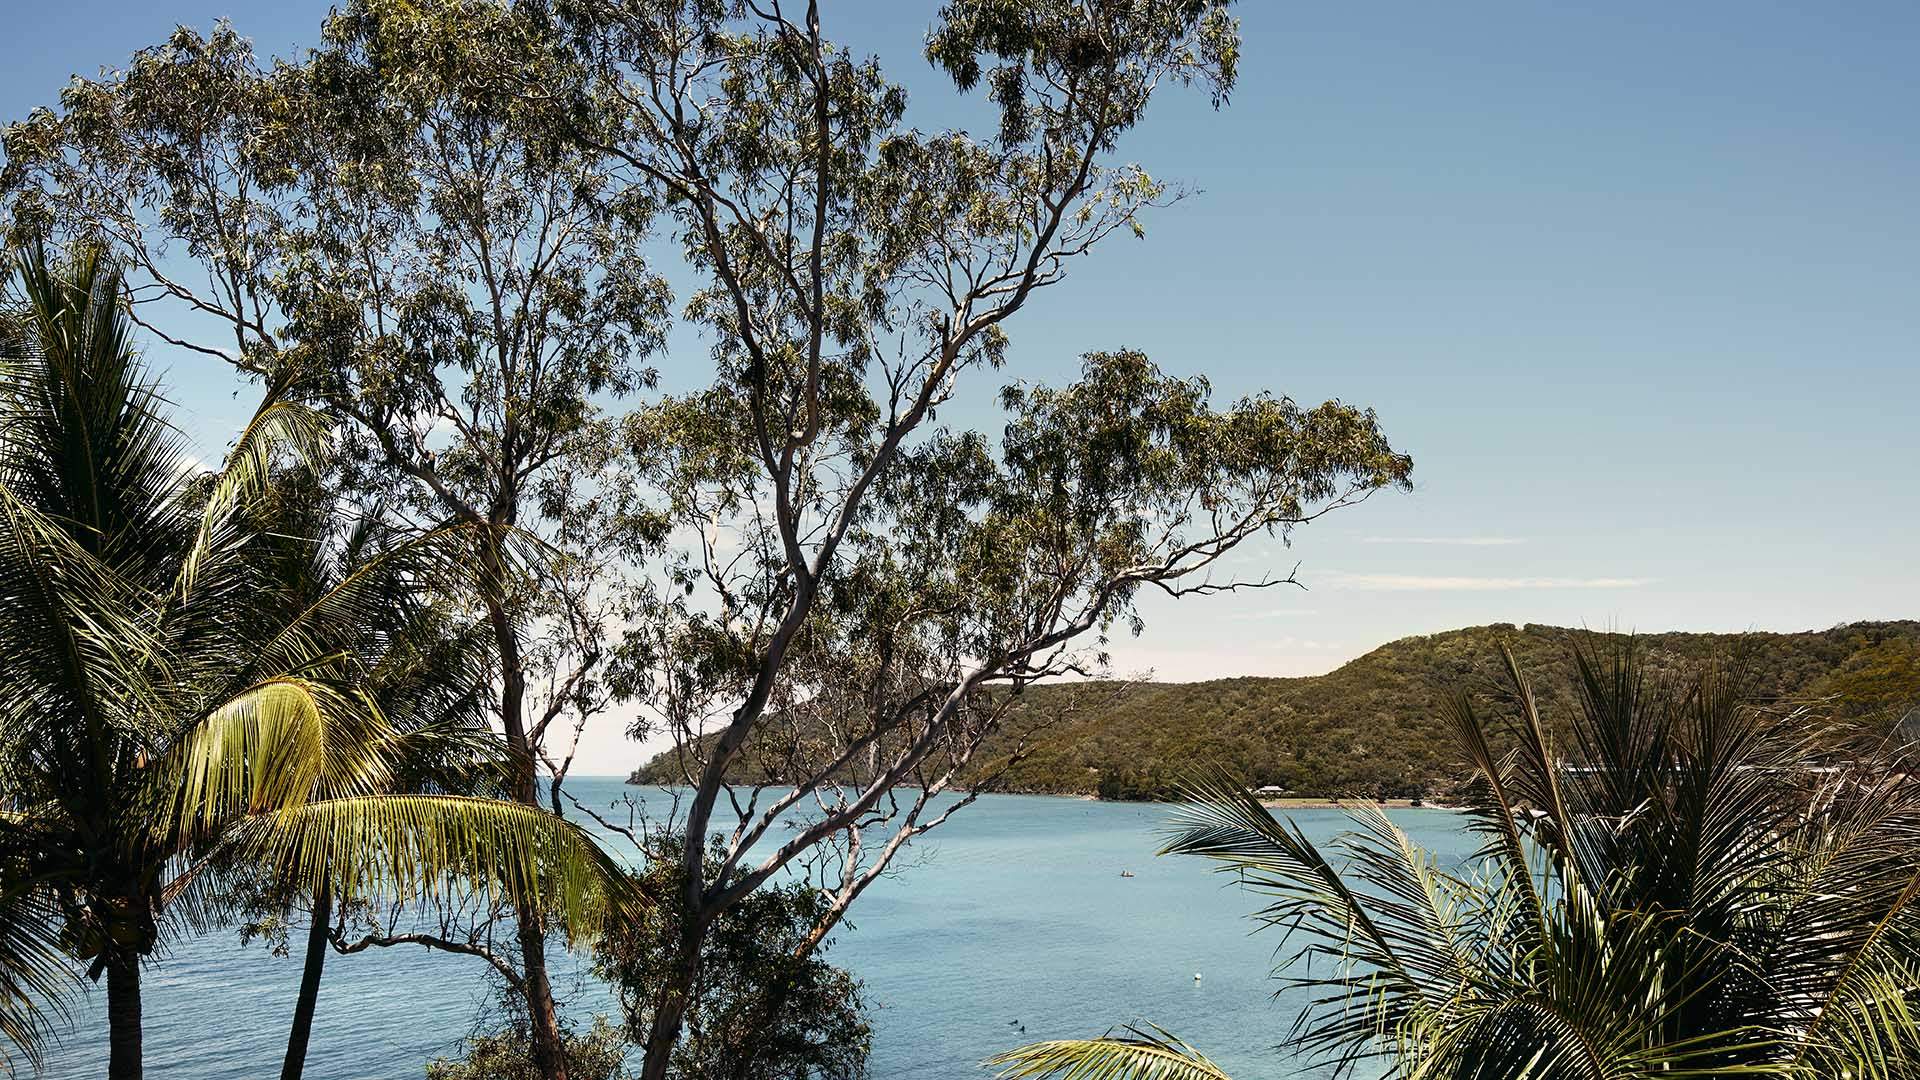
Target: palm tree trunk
{"type": "Point", "coordinates": [123, 1017]}
{"type": "Point", "coordinates": [296, 1061]}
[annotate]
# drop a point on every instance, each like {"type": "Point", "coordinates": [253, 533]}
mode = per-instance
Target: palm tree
{"type": "Point", "coordinates": [357, 584]}
{"type": "Point", "coordinates": [163, 718]}
{"type": "Point", "coordinates": [1691, 886]}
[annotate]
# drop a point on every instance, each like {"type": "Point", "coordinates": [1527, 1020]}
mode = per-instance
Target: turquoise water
{"type": "Point", "coordinates": [1012, 915]}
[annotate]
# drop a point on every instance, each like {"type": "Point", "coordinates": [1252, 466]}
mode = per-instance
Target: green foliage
{"type": "Point", "coordinates": [1376, 727]}
{"type": "Point", "coordinates": [1877, 685]}
{"type": "Point", "coordinates": [599, 1053]}
{"type": "Point", "coordinates": [1679, 883]}
{"type": "Point", "coordinates": [440, 229]}
{"type": "Point", "coordinates": [400, 229]}
{"type": "Point", "coordinates": [1055, 46]}
{"type": "Point", "coordinates": [181, 697]}
{"type": "Point", "coordinates": [126, 595]}
{"type": "Point", "coordinates": [766, 1005]}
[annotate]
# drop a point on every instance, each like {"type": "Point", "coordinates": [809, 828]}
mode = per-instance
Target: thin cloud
{"type": "Point", "coordinates": [1452, 541]}
{"type": "Point", "coordinates": [1424, 583]}
{"type": "Point", "coordinates": [1273, 613]}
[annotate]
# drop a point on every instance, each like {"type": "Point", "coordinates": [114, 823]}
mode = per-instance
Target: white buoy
{"type": "Point", "coordinates": [1196, 976]}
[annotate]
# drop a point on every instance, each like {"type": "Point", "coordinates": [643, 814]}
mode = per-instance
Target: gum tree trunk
{"type": "Point", "coordinates": [549, 1055]}
{"type": "Point", "coordinates": [668, 1015]}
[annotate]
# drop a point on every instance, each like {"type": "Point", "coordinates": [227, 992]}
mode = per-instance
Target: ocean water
{"type": "Point", "coordinates": [1009, 924]}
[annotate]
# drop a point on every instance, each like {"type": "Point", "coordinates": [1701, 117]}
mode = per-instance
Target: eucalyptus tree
{"type": "Point", "coordinates": [165, 715]}
{"type": "Point", "coordinates": [436, 227]}
{"type": "Point", "coordinates": [768, 1005]}
{"type": "Point", "coordinates": [496, 296]}
{"type": "Point", "coordinates": [861, 592]}
{"type": "Point", "coordinates": [1685, 886]}
{"type": "Point", "coordinates": [396, 233]}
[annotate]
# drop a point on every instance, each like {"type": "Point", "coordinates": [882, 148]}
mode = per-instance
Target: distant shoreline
{"type": "Point", "coordinates": [1342, 804]}
{"type": "Point", "coordinates": [1305, 802]}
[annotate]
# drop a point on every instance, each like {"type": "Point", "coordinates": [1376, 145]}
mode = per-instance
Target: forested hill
{"type": "Point", "coordinates": [1375, 726]}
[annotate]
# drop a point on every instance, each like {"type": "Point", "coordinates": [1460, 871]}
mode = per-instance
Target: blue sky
{"type": "Point", "coordinates": [1639, 288]}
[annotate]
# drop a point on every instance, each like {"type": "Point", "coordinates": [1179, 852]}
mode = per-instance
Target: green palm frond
{"type": "Point", "coordinates": [1868, 1018]}
{"type": "Point", "coordinates": [1492, 809]}
{"type": "Point", "coordinates": [371, 592]}
{"type": "Point", "coordinates": [1872, 1030]}
{"type": "Point", "coordinates": [35, 979]}
{"type": "Point", "coordinates": [279, 743]}
{"type": "Point", "coordinates": [1139, 1055]}
{"type": "Point", "coordinates": [1537, 781]}
{"type": "Point", "coordinates": [436, 847]}
{"type": "Point", "coordinates": [1383, 934]}
{"type": "Point", "coordinates": [87, 441]}
{"type": "Point", "coordinates": [279, 428]}
{"type": "Point", "coordinates": [76, 635]}
{"type": "Point", "coordinates": [454, 755]}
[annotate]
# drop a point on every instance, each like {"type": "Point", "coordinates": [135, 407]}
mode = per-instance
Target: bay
{"type": "Point", "coordinates": [1009, 924]}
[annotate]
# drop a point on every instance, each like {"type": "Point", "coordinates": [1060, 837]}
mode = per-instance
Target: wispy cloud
{"type": "Point", "coordinates": [1451, 541]}
{"type": "Point", "coordinates": [1273, 613]}
{"type": "Point", "coordinates": [1291, 642]}
{"type": "Point", "coordinates": [1425, 583]}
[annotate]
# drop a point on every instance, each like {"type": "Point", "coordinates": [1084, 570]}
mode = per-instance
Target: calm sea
{"type": "Point", "coordinates": [1009, 924]}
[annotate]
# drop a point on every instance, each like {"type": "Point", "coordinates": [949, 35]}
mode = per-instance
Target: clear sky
{"type": "Point", "coordinates": [1638, 286]}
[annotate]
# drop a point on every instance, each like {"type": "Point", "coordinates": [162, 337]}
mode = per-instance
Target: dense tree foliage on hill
{"type": "Point", "coordinates": [1375, 726]}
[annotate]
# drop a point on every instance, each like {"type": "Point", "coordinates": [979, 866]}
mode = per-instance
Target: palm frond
{"type": "Point", "coordinates": [1868, 1015]}
{"type": "Point", "coordinates": [371, 594]}
{"type": "Point", "coordinates": [1139, 1055]}
{"type": "Point", "coordinates": [1495, 810]}
{"type": "Point", "coordinates": [87, 441]}
{"type": "Point", "coordinates": [276, 744]}
{"type": "Point", "coordinates": [36, 980]}
{"type": "Point", "coordinates": [78, 641]}
{"type": "Point", "coordinates": [1871, 1030]}
{"type": "Point", "coordinates": [1392, 926]}
{"type": "Point", "coordinates": [435, 847]}
{"type": "Point", "coordinates": [278, 428]}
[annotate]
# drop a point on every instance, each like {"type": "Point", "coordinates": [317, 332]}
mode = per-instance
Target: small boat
{"type": "Point", "coordinates": [1126, 873]}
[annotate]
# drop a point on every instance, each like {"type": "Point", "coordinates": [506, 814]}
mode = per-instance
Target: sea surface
{"type": "Point", "coordinates": [1009, 924]}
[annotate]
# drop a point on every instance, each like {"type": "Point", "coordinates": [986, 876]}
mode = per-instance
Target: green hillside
{"type": "Point", "coordinates": [1374, 726]}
